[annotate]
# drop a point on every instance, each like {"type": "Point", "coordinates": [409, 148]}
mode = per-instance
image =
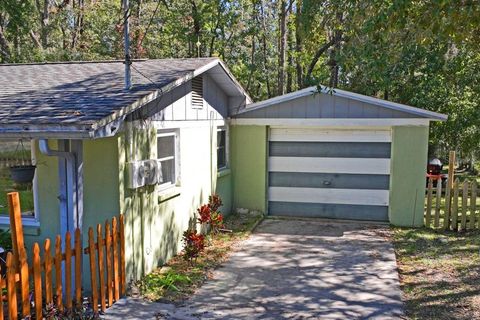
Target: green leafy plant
{"type": "Point", "coordinates": [6, 240]}
{"type": "Point", "coordinates": [164, 281]}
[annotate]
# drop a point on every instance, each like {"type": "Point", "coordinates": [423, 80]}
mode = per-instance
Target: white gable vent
{"type": "Point", "coordinates": [197, 92]}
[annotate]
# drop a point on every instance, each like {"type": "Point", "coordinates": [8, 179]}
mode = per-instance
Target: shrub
{"type": "Point", "coordinates": [204, 213]}
{"type": "Point", "coordinates": [194, 243]}
{"type": "Point", "coordinates": [214, 202]}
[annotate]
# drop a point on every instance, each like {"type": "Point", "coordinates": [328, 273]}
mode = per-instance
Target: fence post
{"type": "Point", "coordinates": [450, 183]}
{"type": "Point", "coordinates": [78, 268]}
{"type": "Point", "coordinates": [455, 205]}
{"type": "Point", "coordinates": [428, 215]}
{"type": "Point", "coordinates": [116, 279]}
{"type": "Point", "coordinates": [58, 272]}
{"type": "Point", "coordinates": [101, 267]}
{"type": "Point", "coordinates": [464, 204]}
{"type": "Point", "coordinates": [437, 203]}
{"type": "Point", "coordinates": [37, 281]}
{"type": "Point", "coordinates": [93, 275]}
{"type": "Point", "coordinates": [11, 288]}
{"type": "Point", "coordinates": [16, 226]}
{"type": "Point", "coordinates": [123, 271]}
{"type": "Point", "coordinates": [473, 205]}
{"type": "Point", "coordinates": [108, 246]}
{"type": "Point", "coordinates": [24, 283]}
{"type": "Point", "coordinates": [68, 271]}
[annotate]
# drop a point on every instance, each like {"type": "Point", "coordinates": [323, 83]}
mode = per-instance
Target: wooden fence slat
{"type": "Point", "coordinates": [473, 205]}
{"type": "Point", "coordinates": [464, 205]}
{"type": "Point", "coordinates": [455, 205]}
{"type": "Point", "coordinates": [11, 288]}
{"type": "Point", "coordinates": [48, 272]}
{"type": "Point", "coordinates": [24, 283]}
{"type": "Point", "coordinates": [438, 203]}
{"type": "Point", "coordinates": [108, 247]}
{"type": "Point", "coordinates": [37, 281]}
{"type": "Point", "coordinates": [58, 272]}
{"type": "Point", "coordinates": [78, 268]}
{"type": "Point", "coordinates": [115, 259]}
{"type": "Point", "coordinates": [428, 215]}
{"type": "Point", "coordinates": [93, 273]}
{"type": "Point", "coordinates": [123, 272]}
{"type": "Point", "coordinates": [448, 207]}
{"type": "Point", "coordinates": [101, 268]}
{"type": "Point", "coordinates": [1, 300]}
{"type": "Point", "coordinates": [15, 225]}
{"type": "Point", "coordinates": [68, 271]}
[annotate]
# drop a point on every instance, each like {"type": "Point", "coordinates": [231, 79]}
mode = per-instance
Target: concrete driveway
{"type": "Point", "coordinates": [295, 269]}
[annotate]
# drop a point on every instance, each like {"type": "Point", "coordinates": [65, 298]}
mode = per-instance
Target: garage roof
{"type": "Point", "coordinates": [327, 103]}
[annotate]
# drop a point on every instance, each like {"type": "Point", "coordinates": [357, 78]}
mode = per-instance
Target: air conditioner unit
{"type": "Point", "coordinates": [144, 172]}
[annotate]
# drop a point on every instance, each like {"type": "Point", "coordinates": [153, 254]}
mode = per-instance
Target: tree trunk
{"type": "Point", "coordinates": [315, 58]}
{"type": "Point", "coordinates": [299, 44]}
{"type": "Point", "coordinates": [4, 47]}
{"type": "Point", "coordinates": [196, 28]}
{"type": "Point", "coordinates": [282, 43]}
{"type": "Point", "coordinates": [78, 30]}
{"type": "Point", "coordinates": [337, 41]}
{"type": "Point", "coordinates": [44, 21]}
{"type": "Point", "coordinates": [290, 69]}
{"type": "Point", "coordinates": [265, 51]}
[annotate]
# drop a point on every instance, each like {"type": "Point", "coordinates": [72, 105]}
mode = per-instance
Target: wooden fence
{"type": "Point", "coordinates": [55, 279]}
{"type": "Point", "coordinates": [455, 208]}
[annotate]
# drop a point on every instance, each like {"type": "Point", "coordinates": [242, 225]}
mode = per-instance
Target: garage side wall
{"type": "Point", "coordinates": [249, 166]}
{"type": "Point", "coordinates": [407, 180]}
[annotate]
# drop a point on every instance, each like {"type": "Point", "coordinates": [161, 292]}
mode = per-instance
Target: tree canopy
{"type": "Point", "coordinates": [423, 53]}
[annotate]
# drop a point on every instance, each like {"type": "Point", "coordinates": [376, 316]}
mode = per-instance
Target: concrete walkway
{"type": "Point", "coordinates": [294, 269]}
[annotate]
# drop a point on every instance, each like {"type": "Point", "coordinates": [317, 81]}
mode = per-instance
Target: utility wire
{"type": "Point", "coordinates": [149, 24]}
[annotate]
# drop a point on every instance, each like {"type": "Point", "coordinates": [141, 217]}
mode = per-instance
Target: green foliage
{"type": "Point", "coordinates": [156, 281]}
{"type": "Point", "coordinates": [6, 240]}
{"type": "Point", "coordinates": [421, 53]}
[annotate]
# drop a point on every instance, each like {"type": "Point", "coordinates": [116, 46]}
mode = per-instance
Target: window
{"type": "Point", "coordinates": [16, 174]}
{"type": "Point", "coordinates": [167, 146]}
{"type": "Point", "coordinates": [221, 148]}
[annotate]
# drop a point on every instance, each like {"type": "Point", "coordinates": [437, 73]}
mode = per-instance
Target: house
{"type": "Point", "coordinates": [93, 139]}
{"type": "Point", "coordinates": [187, 129]}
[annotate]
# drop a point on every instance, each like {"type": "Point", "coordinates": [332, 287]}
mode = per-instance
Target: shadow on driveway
{"type": "Point", "coordinates": [299, 269]}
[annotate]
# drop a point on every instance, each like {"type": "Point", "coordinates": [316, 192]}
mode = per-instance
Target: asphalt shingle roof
{"type": "Point", "coordinates": [81, 93]}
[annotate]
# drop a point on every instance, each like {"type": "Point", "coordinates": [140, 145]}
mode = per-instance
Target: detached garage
{"type": "Point", "coordinates": [334, 155]}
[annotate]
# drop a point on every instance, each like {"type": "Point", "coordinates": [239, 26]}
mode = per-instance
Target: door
{"type": "Point", "coordinates": [340, 174]}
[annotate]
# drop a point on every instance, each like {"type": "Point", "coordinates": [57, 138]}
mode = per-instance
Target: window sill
{"type": "Point", "coordinates": [168, 194]}
{"type": "Point", "coordinates": [223, 172]}
{"type": "Point", "coordinates": [30, 225]}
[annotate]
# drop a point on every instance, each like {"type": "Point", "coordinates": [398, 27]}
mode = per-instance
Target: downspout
{"type": "Point", "coordinates": [66, 206]}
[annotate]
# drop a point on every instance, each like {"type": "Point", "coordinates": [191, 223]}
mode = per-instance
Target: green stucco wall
{"type": "Point", "coordinates": [156, 219]}
{"type": "Point", "coordinates": [249, 166]}
{"type": "Point", "coordinates": [407, 178]}
{"type": "Point", "coordinates": [47, 208]}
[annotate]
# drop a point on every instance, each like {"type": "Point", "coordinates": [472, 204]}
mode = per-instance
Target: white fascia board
{"type": "Point", "coordinates": [331, 123]}
{"type": "Point", "coordinates": [348, 95]}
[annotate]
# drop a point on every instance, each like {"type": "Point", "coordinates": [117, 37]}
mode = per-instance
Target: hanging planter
{"type": "Point", "coordinates": [23, 171]}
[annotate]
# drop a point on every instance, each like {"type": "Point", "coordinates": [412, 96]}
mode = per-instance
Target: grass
{"type": "Point", "coordinates": [7, 185]}
{"type": "Point", "coordinates": [439, 273]}
{"type": "Point", "coordinates": [178, 279]}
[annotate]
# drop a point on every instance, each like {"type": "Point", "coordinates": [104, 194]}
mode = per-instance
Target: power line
{"type": "Point", "coordinates": [149, 24]}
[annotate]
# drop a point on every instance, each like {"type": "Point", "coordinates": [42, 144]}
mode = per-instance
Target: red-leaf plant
{"type": "Point", "coordinates": [204, 213]}
{"type": "Point", "coordinates": [194, 243]}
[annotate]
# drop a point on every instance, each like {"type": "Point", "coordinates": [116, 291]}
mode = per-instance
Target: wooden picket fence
{"type": "Point", "coordinates": [455, 208]}
{"type": "Point", "coordinates": [49, 279]}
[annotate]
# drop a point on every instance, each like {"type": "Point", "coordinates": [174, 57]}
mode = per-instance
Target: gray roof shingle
{"type": "Point", "coordinates": [81, 93]}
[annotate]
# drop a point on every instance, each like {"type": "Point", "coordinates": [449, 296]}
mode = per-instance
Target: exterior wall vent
{"type": "Point", "coordinates": [197, 92]}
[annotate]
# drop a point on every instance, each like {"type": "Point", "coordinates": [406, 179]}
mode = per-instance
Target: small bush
{"type": "Point", "coordinates": [194, 243]}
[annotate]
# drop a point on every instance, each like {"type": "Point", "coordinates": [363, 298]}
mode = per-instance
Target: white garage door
{"type": "Point", "coordinates": [340, 174]}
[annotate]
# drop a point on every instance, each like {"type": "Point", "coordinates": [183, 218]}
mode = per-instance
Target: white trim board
{"type": "Point", "coordinates": [329, 165]}
{"type": "Point", "coordinates": [329, 196]}
{"type": "Point", "coordinates": [330, 123]}
{"type": "Point", "coordinates": [317, 135]}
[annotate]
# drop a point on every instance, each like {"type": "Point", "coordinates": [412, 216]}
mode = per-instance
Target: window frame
{"type": "Point", "coordinates": [29, 220]}
{"type": "Point", "coordinates": [176, 157]}
{"type": "Point", "coordinates": [226, 147]}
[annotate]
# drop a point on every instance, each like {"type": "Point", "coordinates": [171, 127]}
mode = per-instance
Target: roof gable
{"type": "Point", "coordinates": [341, 104]}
